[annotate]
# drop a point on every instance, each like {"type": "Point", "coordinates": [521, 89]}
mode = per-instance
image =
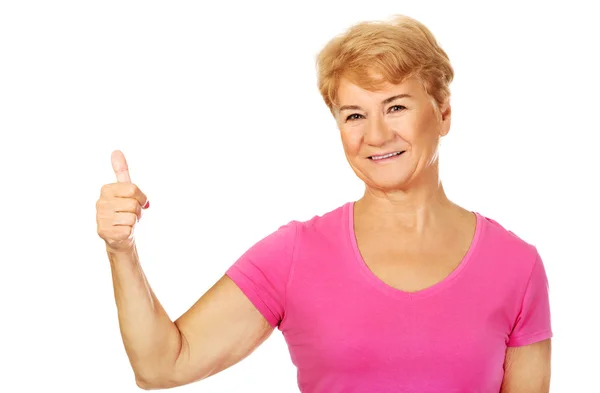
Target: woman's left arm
{"type": "Point", "coordinates": [527, 368]}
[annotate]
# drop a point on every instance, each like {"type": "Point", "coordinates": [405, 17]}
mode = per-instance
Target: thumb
{"type": "Point", "coordinates": [119, 164]}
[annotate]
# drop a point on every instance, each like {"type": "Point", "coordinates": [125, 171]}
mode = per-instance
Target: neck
{"type": "Point", "coordinates": [415, 208]}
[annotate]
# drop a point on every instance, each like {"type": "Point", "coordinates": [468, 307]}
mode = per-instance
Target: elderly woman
{"type": "Point", "coordinates": [400, 291]}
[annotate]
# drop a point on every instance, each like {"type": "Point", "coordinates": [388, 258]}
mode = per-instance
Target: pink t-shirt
{"type": "Point", "coordinates": [347, 331]}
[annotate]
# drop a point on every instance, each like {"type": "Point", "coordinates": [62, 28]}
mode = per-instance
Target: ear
{"type": "Point", "coordinates": [445, 118]}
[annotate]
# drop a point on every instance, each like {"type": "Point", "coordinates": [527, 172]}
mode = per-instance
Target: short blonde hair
{"type": "Point", "coordinates": [372, 53]}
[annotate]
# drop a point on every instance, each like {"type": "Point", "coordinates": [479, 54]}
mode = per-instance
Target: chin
{"type": "Point", "coordinates": [388, 183]}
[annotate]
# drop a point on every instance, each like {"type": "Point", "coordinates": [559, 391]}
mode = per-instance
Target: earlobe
{"type": "Point", "coordinates": [445, 124]}
{"type": "Point", "coordinates": [446, 116]}
{"type": "Point", "coordinates": [447, 111]}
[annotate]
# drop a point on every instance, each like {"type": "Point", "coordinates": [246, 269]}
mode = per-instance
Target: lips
{"type": "Point", "coordinates": [386, 155]}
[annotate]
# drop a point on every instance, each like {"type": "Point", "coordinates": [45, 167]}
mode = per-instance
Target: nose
{"type": "Point", "coordinates": [377, 132]}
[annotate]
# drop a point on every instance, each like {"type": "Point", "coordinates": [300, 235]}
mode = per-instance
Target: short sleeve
{"type": "Point", "coordinates": [262, 272]}
{"type": "Point", "coordinates": [533, 323]}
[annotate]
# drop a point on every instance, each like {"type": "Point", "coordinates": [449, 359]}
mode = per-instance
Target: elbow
{"type": "Point", "coordinates": [158, 374]}
{"type": "Point", "coordinates": [155, 383]}
{"type": "Point", "coordinates": [160, 382]}
{"type": "Point", "coordinates": [146, 384]}
{"type": "Point", "coordinates": [143, 384]}
{"type": "Point", "coordinates": [168, 375]}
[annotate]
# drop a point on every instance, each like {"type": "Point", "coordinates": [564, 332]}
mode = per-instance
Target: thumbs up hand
{"type": "Point", "coordinates": [119, 207]}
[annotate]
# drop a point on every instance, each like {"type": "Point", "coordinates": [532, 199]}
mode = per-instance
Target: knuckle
{"type": "Point", "coordinates": [101, 202]}
{"type": "Point", "coordinates": [103, 232]}
{"type": "Point", "coordinates": [103, 208]}
{"type": "Point", "coordinates": [105, 190]}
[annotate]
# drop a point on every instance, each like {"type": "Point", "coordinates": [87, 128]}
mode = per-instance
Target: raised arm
{"type": "Point", "coordinates": [218, 331]}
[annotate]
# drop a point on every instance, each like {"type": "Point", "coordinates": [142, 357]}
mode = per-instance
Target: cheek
{"type": "Point", "coordinates": [351, 140]}
{"type": "Point", "coordinates": [405, 128]}
{"type": "Point", "coordinates": [416, 130]}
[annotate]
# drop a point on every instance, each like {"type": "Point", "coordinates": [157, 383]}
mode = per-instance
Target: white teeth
{"type": "Point", "coordinates": [385, 156]}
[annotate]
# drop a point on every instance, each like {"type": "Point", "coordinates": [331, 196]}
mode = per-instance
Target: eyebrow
{"type": "Point", "coordinates": [384, 102]}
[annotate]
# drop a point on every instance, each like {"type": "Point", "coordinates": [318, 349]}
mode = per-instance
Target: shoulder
{"type": "Point", "coordinates": [318, 226]}
{"type": "Point", "coordinates": [503, 245]}
{"type": "Point", "coordinates": [517, 274]}
{"type": "Point", "coordinates": [327, 218]}
{"type": "Point", "coordinates": [324, 226]}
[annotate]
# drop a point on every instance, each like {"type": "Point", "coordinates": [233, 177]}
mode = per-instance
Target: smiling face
{"type": "Point", "coordinates": [398, 120]}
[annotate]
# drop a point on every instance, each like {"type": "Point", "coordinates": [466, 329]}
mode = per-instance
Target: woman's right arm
{"type": "Point", "coordinates": [219, 330]}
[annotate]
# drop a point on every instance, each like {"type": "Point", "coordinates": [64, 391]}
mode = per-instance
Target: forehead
{"type": "Point", "coordinates": [349, 93]}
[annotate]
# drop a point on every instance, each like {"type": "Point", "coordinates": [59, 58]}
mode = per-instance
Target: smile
{"type": "Point", "coordinates": [386, 156]}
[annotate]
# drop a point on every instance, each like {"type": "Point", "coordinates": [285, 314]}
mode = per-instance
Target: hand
{"type": "Point", "coordinates": [119, 207]}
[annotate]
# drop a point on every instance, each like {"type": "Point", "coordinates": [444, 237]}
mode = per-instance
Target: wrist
{"type": "Point", "coordinates": [121, 251]}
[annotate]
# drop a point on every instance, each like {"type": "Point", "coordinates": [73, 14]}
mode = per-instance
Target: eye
{"type": "Point", "coordinates": [397, 108]}
{"type": "Point", "coordinates": [354, 116]}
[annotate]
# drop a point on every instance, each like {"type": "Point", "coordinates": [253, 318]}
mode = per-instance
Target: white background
{"type": "Point", "coordinates": [217, 111]}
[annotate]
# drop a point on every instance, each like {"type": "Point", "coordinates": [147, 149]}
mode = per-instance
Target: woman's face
{"type": "Point", "coordinates": [399, 119]}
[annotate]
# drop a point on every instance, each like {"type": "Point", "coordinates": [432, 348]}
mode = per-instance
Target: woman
{"type": "Point", "coordinates": [402, 290]}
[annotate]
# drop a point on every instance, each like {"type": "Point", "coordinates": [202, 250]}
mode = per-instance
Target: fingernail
{"type": "Point", "coordinates": [147, 205]}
